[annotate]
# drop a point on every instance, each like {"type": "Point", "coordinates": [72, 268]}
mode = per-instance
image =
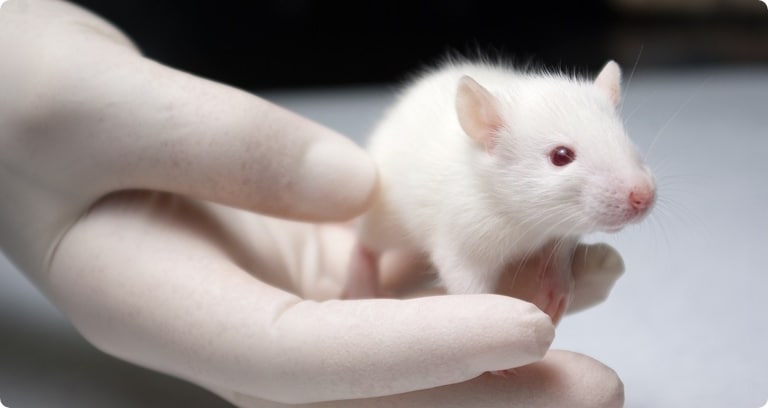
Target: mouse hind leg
{"type": "Point", "coordinates": [363, 274]}
{"type": "Point", "coordinates": [378, 231]}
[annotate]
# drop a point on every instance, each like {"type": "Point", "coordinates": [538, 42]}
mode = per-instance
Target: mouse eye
{"type": "Point", "coordinates": [561, 156]}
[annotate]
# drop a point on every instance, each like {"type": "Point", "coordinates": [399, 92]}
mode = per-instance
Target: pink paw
{"type": "Point", "coordinates": [363, 275]}
{"type": "Point", "coordinates": [554, 294]}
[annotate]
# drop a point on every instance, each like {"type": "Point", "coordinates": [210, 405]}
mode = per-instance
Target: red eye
{"type": "Point", "coordinates": [561, 156]}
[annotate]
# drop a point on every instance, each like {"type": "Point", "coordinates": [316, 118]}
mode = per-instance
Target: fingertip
{"type": "Point", "coordinates": [527, 327]}
{"type": "Point", "coordinates": [497, 332]}
{"type": "Point", "coordinates": [338, 180]}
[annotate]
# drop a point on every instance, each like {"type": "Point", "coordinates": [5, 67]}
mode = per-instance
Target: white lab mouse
{"type": "Point", "coordinates": [482, 165]}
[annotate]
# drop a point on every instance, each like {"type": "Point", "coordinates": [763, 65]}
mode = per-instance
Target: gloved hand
{"type": "Point", "coordinates": [109, 167]}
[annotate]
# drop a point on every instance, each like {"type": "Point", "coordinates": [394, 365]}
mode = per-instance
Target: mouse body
{"type": "Point", "coordinates": [482, 165]}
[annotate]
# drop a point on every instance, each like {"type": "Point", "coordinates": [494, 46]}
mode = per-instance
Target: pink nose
{"type": "Point", "coordinates": [640, 198]}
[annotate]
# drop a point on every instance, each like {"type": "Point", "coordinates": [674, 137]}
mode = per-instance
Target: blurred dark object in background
{"type": "Point", "coordinates": [300, 43]}
{"type": "Point", "coordinates": [690, 32]}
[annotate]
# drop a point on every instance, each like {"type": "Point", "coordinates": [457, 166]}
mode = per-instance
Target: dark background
{"type": "Point", "coordinates": [304, 43]}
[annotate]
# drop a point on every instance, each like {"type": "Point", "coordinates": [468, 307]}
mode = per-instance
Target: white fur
{"type": "Point", "coordinates": [473, 210]}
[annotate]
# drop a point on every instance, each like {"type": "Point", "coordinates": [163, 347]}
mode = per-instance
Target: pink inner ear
{"type": "Point", "coordinates": [478, 113]}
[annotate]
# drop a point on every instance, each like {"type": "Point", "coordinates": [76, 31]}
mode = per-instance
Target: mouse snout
{"type": "Point", "coordinates": [641, 197]}
{"type": "Point", "coordinates": [620, 204]}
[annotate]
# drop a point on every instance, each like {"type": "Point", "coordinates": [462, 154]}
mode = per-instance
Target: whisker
{"type": "Point", "coordinates": [552, 212]}
{"type": "Point", "coordinates": [637, 108]}
{"type": "Point", "coordinates": [676, 114]}
{"type": "Point", "coordinates": [681, 212]}
{"type": "Point", "coordinates": [631, 74]}
{"type": "Point", "coordinates": [559, 245]}
{"type": "Point", "coordinates": [655, 223]}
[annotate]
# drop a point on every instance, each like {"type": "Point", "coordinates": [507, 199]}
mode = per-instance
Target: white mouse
{"type": "Point", "coordinates": [482, 165]}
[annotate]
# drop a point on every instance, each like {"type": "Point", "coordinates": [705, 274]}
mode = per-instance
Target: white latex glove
{"type": "Point", "coordinates": [108, 165]}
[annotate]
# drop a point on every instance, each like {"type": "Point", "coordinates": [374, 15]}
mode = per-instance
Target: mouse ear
{"type": "Point", "coordinates": [478, 112]}
{"type": "Point", "coordinates": [609, 81]}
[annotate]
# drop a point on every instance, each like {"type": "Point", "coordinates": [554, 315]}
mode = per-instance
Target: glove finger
{"type": "Point", "coordinates": [143, 283]}
{"type": "Point", "coordinates": [221, 144]}
{"type": "Point", "coordinates": [147, 126]}
{"type": "Point", "coordinates": [375, 347]}
{"type": "Point", "coordinates": [561, 379]}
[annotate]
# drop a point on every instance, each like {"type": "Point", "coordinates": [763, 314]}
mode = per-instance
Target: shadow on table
{"type": "Point", "coordinates": [51, 365]}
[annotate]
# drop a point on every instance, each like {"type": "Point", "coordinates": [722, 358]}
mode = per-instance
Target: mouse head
{"type": "Point", "coordinates": [554, 151]}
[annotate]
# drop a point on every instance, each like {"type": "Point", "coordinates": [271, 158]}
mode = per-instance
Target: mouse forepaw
{"type": "Point", "coordinates": [554, 294]}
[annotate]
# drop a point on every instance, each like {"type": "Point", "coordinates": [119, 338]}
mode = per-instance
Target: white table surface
{"type": "Point", "coordinates": [685, 327]}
